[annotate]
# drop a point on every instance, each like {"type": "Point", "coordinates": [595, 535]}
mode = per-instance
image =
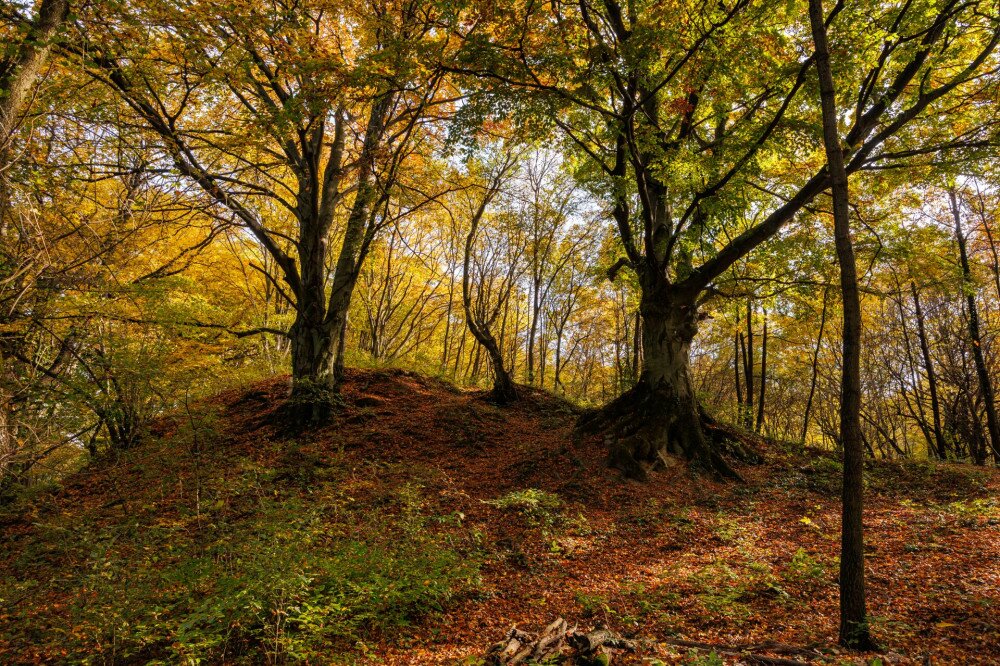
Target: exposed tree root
{"type": "Point", "coordinates": [504, 390]}
{"type": "Point", "coordinates": [644, 426]}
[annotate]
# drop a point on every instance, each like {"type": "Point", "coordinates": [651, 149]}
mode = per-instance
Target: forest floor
{"type": "Point", "coordinates": [465, 519]}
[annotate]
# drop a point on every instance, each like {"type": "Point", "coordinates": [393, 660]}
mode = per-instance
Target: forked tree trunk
{"type": "Point", "coordinates": [660, 416]}
{"type": "Point", "coordinates": [317, 335]}
{"type": "Point", "coordinates": [504, 390]}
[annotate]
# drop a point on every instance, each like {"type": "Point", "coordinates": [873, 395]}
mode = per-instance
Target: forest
{"type": "Point", "coordinates": [499, 332]}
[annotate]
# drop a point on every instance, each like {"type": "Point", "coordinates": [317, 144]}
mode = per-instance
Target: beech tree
{"type": "Point", "coordinates": [21, 66]}
{"type": "Point", "coordinates": [691, 118]}
{"type": "Point", "coordinates": [295, 120]}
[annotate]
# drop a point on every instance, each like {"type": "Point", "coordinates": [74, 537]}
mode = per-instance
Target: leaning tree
{"type": "Point", "coordinates": [697, 123]}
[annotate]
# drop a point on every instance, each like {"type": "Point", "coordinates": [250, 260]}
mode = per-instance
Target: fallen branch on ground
{"type": "Point", "coordinates": [579, 647]}
{"type": "Point", "coordinates": [749, 653]}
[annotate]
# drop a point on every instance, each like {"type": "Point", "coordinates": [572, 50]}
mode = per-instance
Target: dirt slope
{"type": "Point", "coordinates": [554, 533]}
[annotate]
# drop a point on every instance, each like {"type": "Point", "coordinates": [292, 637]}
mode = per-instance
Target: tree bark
{"type": "Point", "coordinates": [16, 86]}
{"type": "Point", "coordinates": [736, 374]}
{"type": "Point", "coordinates": [815, 368]}
{"type": "Point", "coordinates": [748, 369]}
{"type": "Point", "coordinates": [941, 448]}
{"type": "Point", "coordinates": [763, 378]}
{"type": "Point", "coordinates": [854, 630]}
{"type": "Point", "coordinates": [660, 416]}
{"type": "Point", "coordinates": [982, 372]}
{"type": "Point", "coordinates": [17, 81]}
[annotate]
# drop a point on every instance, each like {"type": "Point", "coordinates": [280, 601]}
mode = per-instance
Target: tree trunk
{"type": "Point", "coordinates": [533, 330]}
{"type": "Point", "coordinates": [748, 369]}
{"type": "Point", "coordinates": [982, 372]}
{"type": "Point", "coordinates": [8, 449]}
{"type": "Point", "coordinates": [815, 368]}
{"type": "Point", "coordinates": [854, 631]}
{"type": "Point", "coordinates": [925, 351]}
{"type": "Point", "coordinates": [16, 86]}
{"type": "Point", "coordinates": [763, 378]}
{"type": "Point", "coordinates": [636, 346]}
{"type": "Point", "coordinates": [660, 415]}
{"type": "Point", "coordinates": [17, 81]}
{"type": "Point", "coordinates": [736, 374]}
{"type": "Point", "coordinates": [479, 324]}
{"type": "Point", "coordinates": [313, 382]}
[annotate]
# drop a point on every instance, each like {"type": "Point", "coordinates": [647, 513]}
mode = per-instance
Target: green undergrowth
{"type": "Point", "coordinates": [265, 564]}
{"type": "Point", "coordinates": [926, 481]}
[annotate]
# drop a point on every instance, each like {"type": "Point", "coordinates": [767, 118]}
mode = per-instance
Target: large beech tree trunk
{"type": "Point", "coordinates": [661, 416]}
{"type": "Point", "coordinates": [319, 328]}
{"type": "Point", "coordinates": [313, 381]}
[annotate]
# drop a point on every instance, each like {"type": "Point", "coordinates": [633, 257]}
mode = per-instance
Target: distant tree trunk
{"type": "Point", "coordinates": [925, 351]}
{"type": "Point", "coordinates": [536, 286]}
{"type": "Point", "coordinates": [748, 369]}
{"type": "Point", "coordinates": [557, 379]}
{"type": "Point", "coordinates": [736, 374]}
{"type": "Point", "coordinates": [815, 367]}
{"type": "Point", "coordinates": [763, 377]}
{"type": "Point", "coordinates": [8, 447]}
{"type": "Point", "coordinates": [982, 372]}
{"type": "Point", "coordinates": [445, 346]}
{"type": "Point", "coordinates": [854, 630]}
{"type": "Point", "coordinates": [994, 253]}
{"type": "Point", "coordinates": [916, 406]}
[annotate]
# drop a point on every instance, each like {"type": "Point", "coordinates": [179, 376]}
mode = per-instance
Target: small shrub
{"type": "Point", "coordinates": [541, 508]}
{"type": "Point", "coordinates": [805, 567]}
{"type": "Point", "coordinates": [696, 658]}
{"type": "Point", "coordinates": [592, 604]}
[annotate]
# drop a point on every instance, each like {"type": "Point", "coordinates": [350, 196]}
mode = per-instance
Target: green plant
{"type": "Point", "coordinates": [806, 567]}
{"type": "Point", "coordinates": [287, 586]}
{"type": "Point", "coordinates": [541, 508]}
{"type": "Point", "coordinates": [696, 658]}
{"type": "Point", "coordinates": [592, 604]}
{"type": "Point", "coordinates": [722, 591]}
